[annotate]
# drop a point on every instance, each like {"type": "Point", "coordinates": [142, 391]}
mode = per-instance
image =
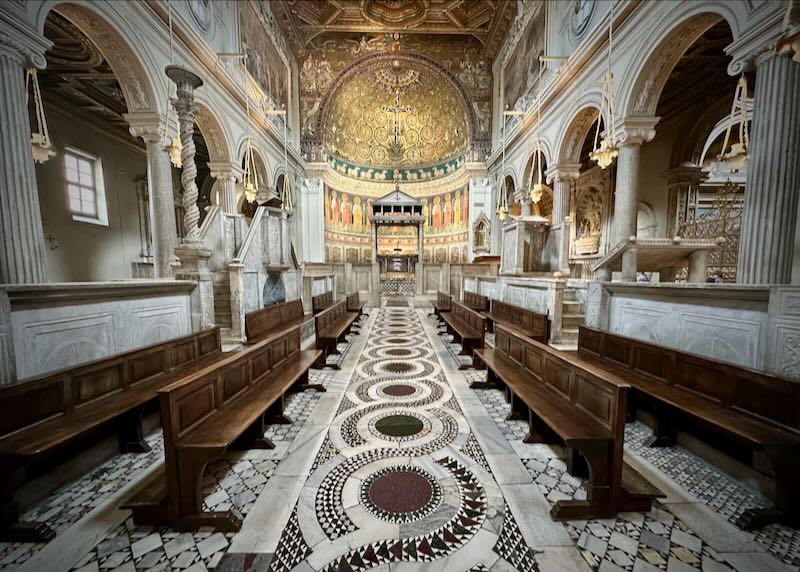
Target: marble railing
{"type": "Point", "coordinates": [753, 326]}
{"type": "Point", "coordinates": [45, 327]}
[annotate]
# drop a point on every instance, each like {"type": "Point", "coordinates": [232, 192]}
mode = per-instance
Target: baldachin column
{"type": "Point", "coordinates": [227, 174]}
{"type": "Point", "coordinates": [772, 189]}
{"type": "Point", "coordinates": [562, 175]}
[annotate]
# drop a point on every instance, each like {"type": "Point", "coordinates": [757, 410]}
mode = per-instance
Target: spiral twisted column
{"type": "Point", "coordinates": [186, 109]}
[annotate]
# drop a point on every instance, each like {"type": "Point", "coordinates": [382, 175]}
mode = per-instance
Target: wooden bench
{"type": "Point", "coordinates": [331, 326]}
{"type": "Point", "coordinates": [321, 302]}
{"type": "Point", "coordinates": [568, 400]}
{"type": "Point", "coordinates": [476, 302]}
{"type": "Point", "coordinates": [41, 418]}
{"type": "Point", "coordinates": [272, 319]}
{"type": "Point", "coordinates": [224, 406]}
{"type": "Point", "coordinates": [735, 408]}
{"type": "Point", "coordinates": [442, 303]}
{"type": "Point", "coordinates": [532, 324]}
{"type": "Point", "coordinates": [467, 327]}
{"type": "Point", "coordinates": [354, 303]}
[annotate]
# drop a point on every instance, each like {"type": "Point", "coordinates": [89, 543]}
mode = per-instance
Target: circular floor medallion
{"type": "Point", "coordinates": [399, 352]}
{"type": "Point", "coordinates": [401, 494]}
{"type": "Point", "coordinates": [396, 340]}
{"type": "Point", "coordinates": [399, 425]}
{"type": "Point", "coordinates": [398, 367]}
{"type": "Point", "coordinates": [399, 390]}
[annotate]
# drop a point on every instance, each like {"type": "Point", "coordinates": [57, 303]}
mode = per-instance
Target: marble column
{"type": "Point", "coordinates": [22, 251]}
{"type": "Point", "coordinates": [419, 271]}
{"type": "Point", "coordinates": [227, 174]}
{"type": "Point", "coordinates": [561, 175]}
{"type": "Point", "coordinates": [635, 131]}
{"type": "Point", "coordinates": [164, 233]}
{"type": "Point", "coordinates": [772, 189]}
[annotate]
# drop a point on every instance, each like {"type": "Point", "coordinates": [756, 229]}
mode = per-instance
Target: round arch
{"type": "Point", "coordinates": [642, 83]}
{"type": "Point", "coordinates": [576, 130]}
{"type": "Point", "coordinates": [102, 29]}
{"type": "Point", "coordinates": [213, 132]}
{"type": "Point", "coordinates": [547, 154]}
{"type": "Point", "coordinates": [260, 158]}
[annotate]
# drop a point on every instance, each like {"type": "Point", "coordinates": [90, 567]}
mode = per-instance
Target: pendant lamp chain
{"type": "Point", "coordinates": [41, 145]}
{"type": "Point", "coordinates": [605, 153]}
{"type": "Point", "coordinates": [174, 146]}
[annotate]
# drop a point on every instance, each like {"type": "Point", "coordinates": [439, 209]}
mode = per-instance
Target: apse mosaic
{"type": "Point", "coordinates": [348, 230]}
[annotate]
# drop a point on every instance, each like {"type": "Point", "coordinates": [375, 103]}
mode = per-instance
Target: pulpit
{"type": "Point", "coordinates": [523, 243]}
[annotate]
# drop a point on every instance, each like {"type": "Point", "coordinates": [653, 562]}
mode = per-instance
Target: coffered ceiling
{"type": "Point", "coordinates": [306, 23]}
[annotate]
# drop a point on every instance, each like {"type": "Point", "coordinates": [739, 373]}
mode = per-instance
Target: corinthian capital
{"type": "Point", "coordinates": [148, 126]}
{"type": "Point", "coordinates": [21, 41]}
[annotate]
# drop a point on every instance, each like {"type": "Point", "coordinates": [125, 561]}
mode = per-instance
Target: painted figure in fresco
{"type": "Point", "coordinates": [328, 206]}
{"type": "Point", "coordinates": [465, 207]}
{"type": "Point", "coordinates": [369, 212]}
{"type": "Point", "coordinates": [347, 217]}
{"type": "Point", "coordinates": [426, 213]}
{"type": "Point", "coordinates": [358, 215]}
{"type": "Point", "coordinates": [437, 213]}
{"type": "Point", "coordinates": [457, 209]}
{"type": "Point", "coordinates": [448, 212]}
{"type": "Point", "coordinates": [334, 208]}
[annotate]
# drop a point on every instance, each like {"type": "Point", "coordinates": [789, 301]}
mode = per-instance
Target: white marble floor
{"type": "Point", "coordinates": [400, 466]}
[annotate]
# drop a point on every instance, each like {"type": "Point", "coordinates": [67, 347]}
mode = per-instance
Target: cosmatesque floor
{"type": "Point", "coordinates": [401, 467]}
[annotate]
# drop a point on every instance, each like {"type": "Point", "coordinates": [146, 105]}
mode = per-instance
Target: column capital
{"type": "Point", "coordinates": [21, 41]}
{"type": "Point", "coordinates": [149, 126]}
{"type": "Point", "coordinates": [562, 171]}
{"type": "Point", "coordinates": [636, 130]}
{"type": "Point", "coordinates": [224, 170]}
{"type": "Point", "coordinates": [687, 173]}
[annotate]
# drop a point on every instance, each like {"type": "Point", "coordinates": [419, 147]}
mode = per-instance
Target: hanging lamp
{"type": "Point", "coordinates": [537, 189]}
{"type": "Point", "coordinates": [41, 145]}
{"type": "Point", "coordinates": [173, 145]}
{"type": "Point", "coordinates": [736, 158]}
{"type": "Point", "coordinates": [502, 199]}
{"type": "Point", "coordinates": [605, 153]}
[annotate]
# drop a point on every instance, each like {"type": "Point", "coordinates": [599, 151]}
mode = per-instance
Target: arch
{"type": "Point", "coordinates": [574, 134]}
{"type": "Point", "coordinates": [690, 147]}
{"type": "Point", "coordinates": [138, 87]}
{"type": "Point", "coordinates": [260, 158]}
{"type": "Point", "coordinates": [372, 59]}
{"type": "Point", "coordinates": [642, 84]}
{"type": "Point", "coordinates": [213, 133]}
{"type": "Point", "coordinates": [547, 154]}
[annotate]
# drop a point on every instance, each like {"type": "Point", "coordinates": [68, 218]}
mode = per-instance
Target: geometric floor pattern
{"type": "Point", "coordinates": [399, 379]}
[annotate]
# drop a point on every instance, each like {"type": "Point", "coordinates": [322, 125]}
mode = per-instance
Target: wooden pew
{"type": "Point", "coordinates": [476, 302]}
{"type": "Point", "coordinates": [568, 400]}
{"type": "Point", "coordinates": [221, 407]}
{"type": "Point", "coordinates": [278, 317]}
{"type": "Point", "coordinates": [532, 324]}
{"type": "Point", "coordinates": [442, 303]}
{"type": "Point", "coordinates": [41, 417]}
{"type": "Point", "coordinates": [354, 303]}
{"type": "Point", "coordinates": [739, 409]}
{"type": "Point", "coordinates": [466, 325]}
{"type": "Point", "coordinates": [331, 326]}
{"type": "Point", "coordinates": [321, 302]}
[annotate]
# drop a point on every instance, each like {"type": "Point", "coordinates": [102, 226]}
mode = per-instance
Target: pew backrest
{"type": "Point", "coordinates": [326, 318]}
{"type": "Point", "coordinates": [73, 390]}
{"type": "Point", "coordinates": [476, 301]}
{"type": "Point", "coordinates": [474, 320]}
{"type": "Point", "coordinates": [260, 323]}
{"type": "Point", "coordinates": [321, 302]}
{"type": "Point", "coordinates": [353, 301]}
{"type": "Point", "coordinates": [754, 393]}
{"type": "Point", "coordinates": [443, 299]}
{"type": "Point", "coordinates": [535, 325]}
{"type": "Point", "coordinates": [587, 388]}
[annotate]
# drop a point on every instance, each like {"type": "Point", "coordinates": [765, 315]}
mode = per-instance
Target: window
{"type": "Point", "coordinates": [85, 190]}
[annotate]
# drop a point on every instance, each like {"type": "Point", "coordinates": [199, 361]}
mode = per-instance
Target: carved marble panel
{"type": "Point", "coordinates": [640, 323]}
{"type": "Point", "coordinates": [731, 340]}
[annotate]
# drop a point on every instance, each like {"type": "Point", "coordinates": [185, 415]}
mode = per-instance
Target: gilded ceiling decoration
{"type": "Point", "coordinates": [396, 114]}
{"type": "Point", "coordinates": [305, 21]}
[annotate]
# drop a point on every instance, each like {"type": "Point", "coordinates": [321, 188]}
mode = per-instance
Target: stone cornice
{"type": "Point", "coordinates": [58, 293]}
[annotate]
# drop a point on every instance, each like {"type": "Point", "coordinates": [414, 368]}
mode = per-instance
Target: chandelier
{"type": "Point", "coordinates": [250, 173]}
{"type": "Point", "coordinates": [502, 194]}
{"type": "Point", "coordinates": [40, 139]}
{"type": "Point", "coordinates": [537, 190]}
{"type": "Point", "coordinates": [605, 153]}
{"type": "Point", "coordinates": [172, 146]}
{"type": "Point", "coordinates": [736, 158]}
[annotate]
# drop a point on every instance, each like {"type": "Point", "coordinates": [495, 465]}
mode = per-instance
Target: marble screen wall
{"type": "Point", "coordinates": [348, 230]}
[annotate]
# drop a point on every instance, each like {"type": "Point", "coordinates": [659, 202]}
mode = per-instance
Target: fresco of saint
{"type": "Point", "coordinates": [358, 215]}
{"type": "Point", "coordinates": [448, 213]}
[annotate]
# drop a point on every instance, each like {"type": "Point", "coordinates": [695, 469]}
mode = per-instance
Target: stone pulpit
{"type": "Point", "coordinates": [523, 243]}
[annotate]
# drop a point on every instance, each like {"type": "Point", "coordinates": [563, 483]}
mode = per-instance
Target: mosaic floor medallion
{"type": "Point", "coordinates": [398, 367]}
{"type": "Point", "coordinates": [399, 425]}
{"type": "Point", "coordinates": [399, 352]}
{"type": "Point", "coordinates": [401, 493]}
{"type": "Point", "coordinates": [399, 390]}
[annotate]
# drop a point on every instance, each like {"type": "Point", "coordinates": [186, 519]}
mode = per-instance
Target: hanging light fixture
{"type": "Point", "coordinates": [250, 173]}
{"type": "Point", "coordinates": [502, 198]}
{"type": "Point", "coordinates": [40, 139]}
{"type": "Point", "coordinates": [605, 153]}
{"type": "Point", "coordinates": [537, 189]}
{"type": "Point", "coordinates": [172, 146]}
{"type": "Point", "coordinates": [736, 158]}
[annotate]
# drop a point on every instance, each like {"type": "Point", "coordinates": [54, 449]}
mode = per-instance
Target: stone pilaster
{"type": "Point", "coordinates": [561, 176]}
{"type": "Point", "coordinates": [634, 132]}
{"type": "Point", "coordinates": [164, 233]}
{"type": "Point", "coordinates": [194, 266]}
{"type": "Point", "coordinates": [227, 174]}
{"type": "Point", "coordinates": [186, 110]}
{"type": "Point", "coordinates": [773, 174]}
{"type": "Point", "coordinates": [22, 251]}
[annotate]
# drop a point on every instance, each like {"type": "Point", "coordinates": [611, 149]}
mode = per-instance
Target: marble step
{"type": "Point", "coordinates": [573, 307]}
{"type": "Point", "coordinates": [572, 320]}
